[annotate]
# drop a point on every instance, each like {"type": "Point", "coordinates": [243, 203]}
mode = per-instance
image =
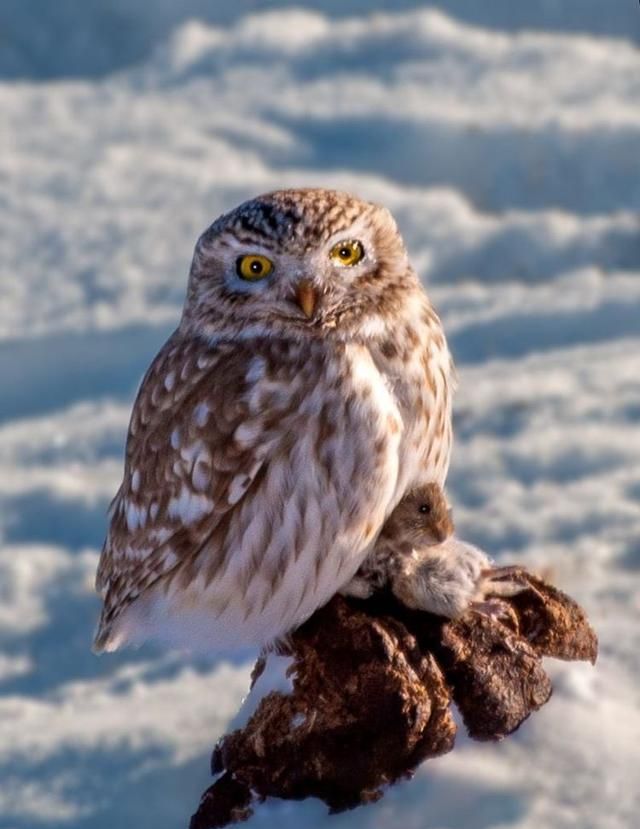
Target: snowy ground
{"type": "Point", "coordinates": [510, 159]}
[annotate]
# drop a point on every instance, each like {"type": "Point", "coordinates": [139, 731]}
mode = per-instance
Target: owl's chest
{"type": "Point", "coordinates": [372, 413]}
{"type": "Point", "coordinates": [349, 423]}
{"type": "Point", "coordinates": [335, 419]}
{"type": "Point", "coordinates": [420, 385]}
{"type": "Point", "coordinates": [396, 422]}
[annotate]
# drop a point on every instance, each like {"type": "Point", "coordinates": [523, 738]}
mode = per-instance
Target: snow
{"type": "Point", "coordinates": [505, 138]}
{"type": "Point", "coordinates": [276, 677]}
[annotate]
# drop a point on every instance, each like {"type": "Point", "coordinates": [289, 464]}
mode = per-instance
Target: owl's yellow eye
{"type": "Point", "coordinates": [253, 267]}
{"type": "Point", "coordinates": [348, 253]}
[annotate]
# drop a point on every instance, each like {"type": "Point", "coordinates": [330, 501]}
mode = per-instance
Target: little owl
{"type": "Point", "coordinates": [305, 391]}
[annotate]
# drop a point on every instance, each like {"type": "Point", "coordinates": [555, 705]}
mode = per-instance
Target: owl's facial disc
{"type": "Point", "coordinates": [307, 262]}
{"type": "Point", "coordinates": [346, 253]}
{"type": "Point", "coordinates": [255, 267]}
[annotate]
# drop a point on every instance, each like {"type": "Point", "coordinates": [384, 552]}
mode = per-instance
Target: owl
{"type": "Point", "coordinates": [427, 568]}
{"type": "Point", "coordinates": [305, 391]}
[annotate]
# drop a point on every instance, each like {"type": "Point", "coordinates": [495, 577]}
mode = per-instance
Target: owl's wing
{"type": "Point", "coordinates": [194, 449]}
{"type": "Point", "coordinates": [256, 473]}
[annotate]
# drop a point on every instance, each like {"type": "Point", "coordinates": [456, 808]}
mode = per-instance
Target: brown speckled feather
{"type": "Point", "coordinates": [270, 440]}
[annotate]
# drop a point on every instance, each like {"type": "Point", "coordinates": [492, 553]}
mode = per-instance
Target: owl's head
{"type": "Point", "coordinates": [299, 262]}
{"type": "Point", "coordinates": [422, 518]}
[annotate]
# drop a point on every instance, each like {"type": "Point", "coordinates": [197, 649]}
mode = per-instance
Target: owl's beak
{"type": "Point", "coordinates": [306, 297]}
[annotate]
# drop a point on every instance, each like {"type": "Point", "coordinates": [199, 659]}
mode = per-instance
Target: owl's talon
{"type": "Point", "coordinates": [502, 581]}
{"type": "Point", "coordinates": [359, 588]}
{"type": "Point", "coordinates": [491, 608]}
{"type": "Point", "coordinates": [512, 571]}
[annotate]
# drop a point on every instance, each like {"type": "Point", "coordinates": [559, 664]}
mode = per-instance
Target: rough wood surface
{"type": "Point", "coordinates": [373, 685]}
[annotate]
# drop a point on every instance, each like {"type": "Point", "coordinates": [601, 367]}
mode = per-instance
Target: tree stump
{"type": "Point", "coordinates": [365, 691]}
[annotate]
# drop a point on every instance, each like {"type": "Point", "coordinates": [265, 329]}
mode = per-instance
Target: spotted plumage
{"type": "Point", "coordinates": [278, 428]}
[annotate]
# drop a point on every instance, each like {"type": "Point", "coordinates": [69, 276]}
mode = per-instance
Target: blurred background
{"type": "Point", "coordinates": [505, 138]}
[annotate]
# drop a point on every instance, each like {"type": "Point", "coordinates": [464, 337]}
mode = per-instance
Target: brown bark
{"type": "Point", "coordinates": [373, 684]}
